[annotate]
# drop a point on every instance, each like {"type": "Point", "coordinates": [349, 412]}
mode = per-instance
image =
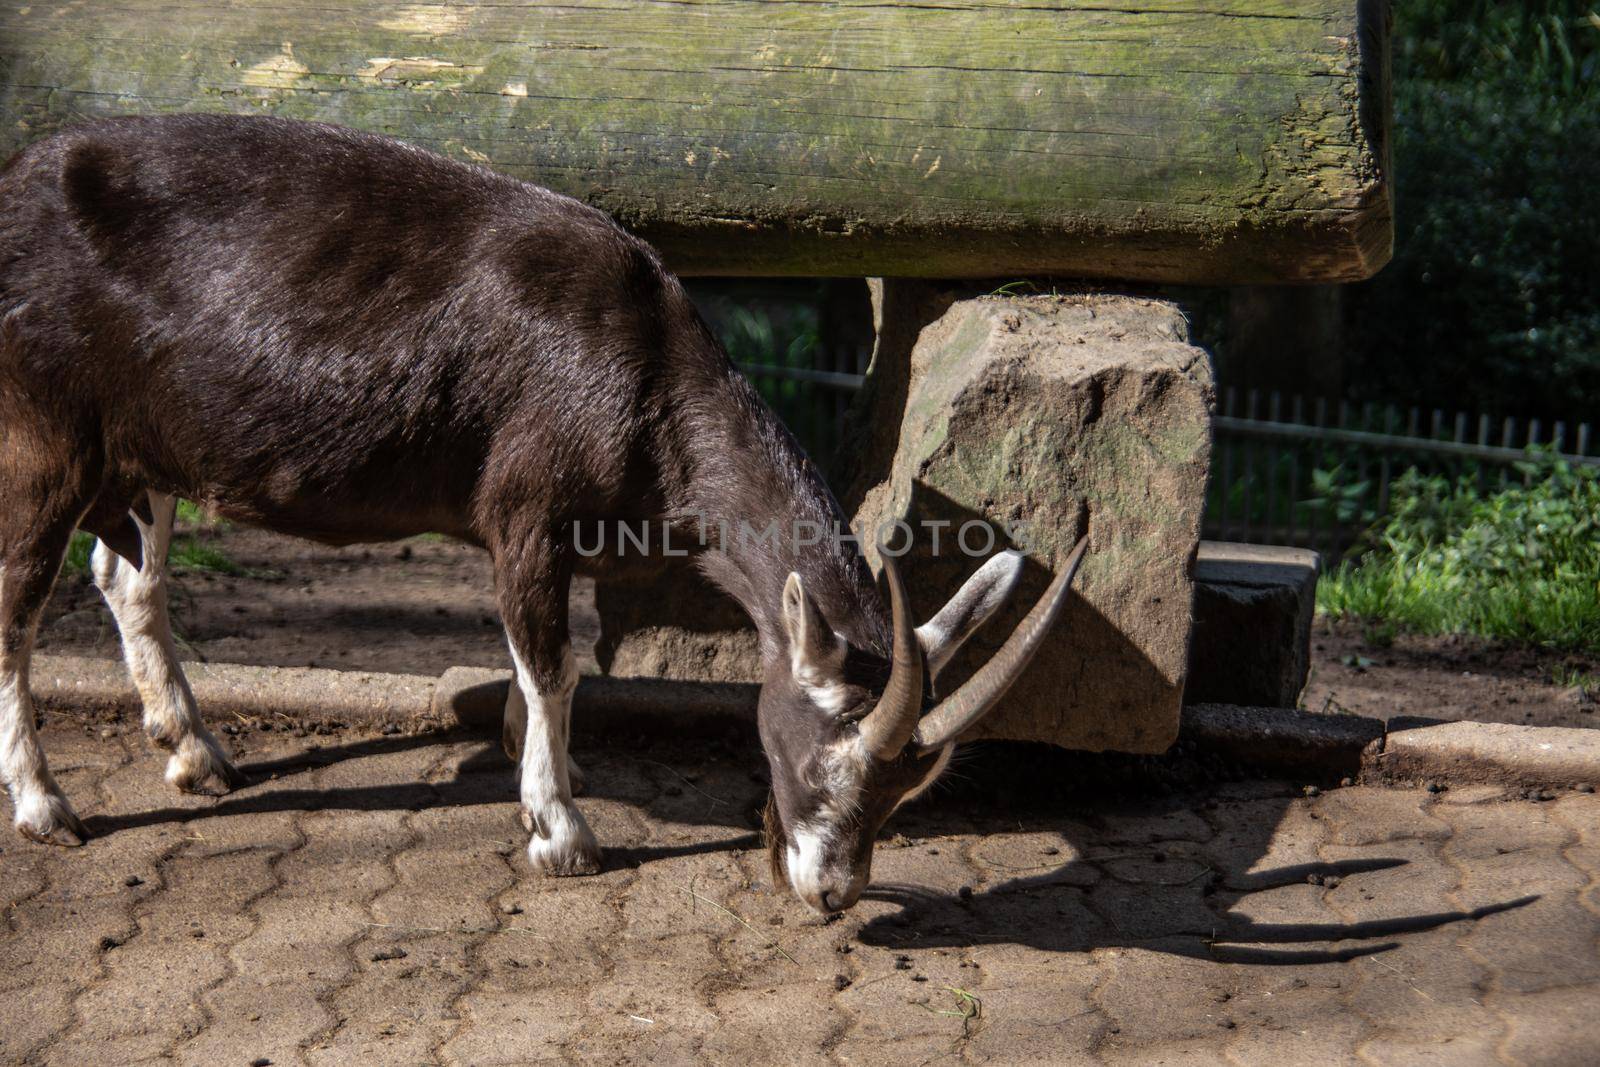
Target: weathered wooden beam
{"type": "Point", "coordinates": [1229, 141]}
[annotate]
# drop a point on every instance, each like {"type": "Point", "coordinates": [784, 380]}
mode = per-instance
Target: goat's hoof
{"type": "Point", "coordinates": [199, 767]}
{"type": "Point", "coordinates": [50, 820]}
{"type": "Point", "coordinates": [562, 845]}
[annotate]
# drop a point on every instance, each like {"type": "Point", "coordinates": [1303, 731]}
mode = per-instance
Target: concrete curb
{"type": "Point", "coordinates": [1275, 740]}
{"type": "Point", "coordinates": [1498, 753]}
{"type": "Point", "coordinates": [1284, 740]}
{"type": "Point", "coordinates": [469, 696]}
{"type": "Point", "coordinates": [1287, 740]}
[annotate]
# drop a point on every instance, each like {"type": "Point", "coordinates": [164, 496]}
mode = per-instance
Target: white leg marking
{"type": "Point", "coordinates": [41, 809]}
{"type": "Point", "coordinates": [138, 600]}
{"type": "Point", "coordinates": [514, 726]}
{"type": "Point", "coordinates": [561, 841]}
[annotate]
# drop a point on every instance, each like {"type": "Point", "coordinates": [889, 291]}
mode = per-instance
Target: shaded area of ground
{"type": "Point", "coordinates": [367, 903]}
{"type": "Point", "coordinates": [427, 605]}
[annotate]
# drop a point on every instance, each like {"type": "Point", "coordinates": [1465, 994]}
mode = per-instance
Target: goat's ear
{"type": "Point", "coordinates": [943, 635]}
{"type": "Point", "coordinates": [816, 653]}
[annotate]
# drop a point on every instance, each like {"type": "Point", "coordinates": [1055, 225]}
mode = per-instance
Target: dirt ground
{"type": "Point", "coordinates": [1452, 677]}
{"type": "Point", "coordinates": [366, 902]}
{"type": "Point", "coordinates": [427, 605]}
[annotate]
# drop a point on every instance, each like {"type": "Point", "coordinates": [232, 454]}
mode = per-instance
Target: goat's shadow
{"type": "Point", "coordinates": [483, 778]}
{"type": "Point", "coordinates": [1107, 889]}
{"type": "Point", "coordinates": [1128, 876]}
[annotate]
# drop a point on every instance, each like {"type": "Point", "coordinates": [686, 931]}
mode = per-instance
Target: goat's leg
{"type": "Point", "coordinates": [32, 546]}
{"type": "Point", "coordinates": [514, 726]}
{"type": "Point", "coordinates": [532, 579]}
{"type": "Point", "coordinates": [138, 600]}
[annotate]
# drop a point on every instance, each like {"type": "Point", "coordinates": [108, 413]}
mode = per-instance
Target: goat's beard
{"type": "Point", "coordinates": [777, 843]}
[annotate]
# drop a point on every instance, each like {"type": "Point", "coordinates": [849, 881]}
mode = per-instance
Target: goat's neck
{"type": "Point", "coordinates": [760, 499]}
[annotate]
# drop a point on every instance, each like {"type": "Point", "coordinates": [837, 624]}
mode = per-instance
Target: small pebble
{"type": "Point", "coordinates": [508, 908]}
{"type": "Point", "coordinates": [1312, 791]}
{"type": "Point", "coordinates": [841, 982]}
{"type": "Point", "coordinates": [260, 1061]}
{"type": "Point", "coordinates": [1331, 880]}
{"type": "Point", "coordinates": [390, 729]}
{"type": "Point", "coordinates": [1586, 788]}
{"type": "Point", "coordinates": [1346, 782]}
{"type": "Point", "coordinates": [1052, 851]}
{"type": "Point", "coordinates": [1314, 879]}
{"type": "Point", "coordinates": [132, 880]}
{"type": "Point", "coordinates": [902, 963]}
{"type": "Point", "coordinates": [389, 954]}
{"type": "Point", "coordinates": [1437, 787]}
{"type": "Point", "coordinates": [919, 978]}
{"type": "Point", "coordinates": [107, 733]}
{"type": "Point", "coordinates": [229, 728]}
{"type": "Point", "coordinates": [965, 893]}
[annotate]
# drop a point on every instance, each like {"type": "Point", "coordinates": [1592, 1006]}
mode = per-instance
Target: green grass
{"type": "Point", "coordinates": [1521, 563]}
{"type": "Point", "coordinates": [77, 562]}
{"type": "Point", "coordinates": [192, 550]}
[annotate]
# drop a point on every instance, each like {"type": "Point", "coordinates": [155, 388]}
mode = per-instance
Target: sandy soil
{"type": "Point", "coordinates": [426, 605]}
{"type": "Point", "coordinates": [1453, 677]}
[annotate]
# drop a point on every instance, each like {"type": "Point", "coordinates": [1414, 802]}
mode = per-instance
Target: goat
{"type": "Point", "coordinates": [339, 336]}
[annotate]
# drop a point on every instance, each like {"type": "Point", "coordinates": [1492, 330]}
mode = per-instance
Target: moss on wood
{"type": "Point", "coordinates": [1159, 139]}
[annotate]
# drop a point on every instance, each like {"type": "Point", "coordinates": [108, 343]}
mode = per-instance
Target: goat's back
{"type": "Point", "coordinates": [326, 331]}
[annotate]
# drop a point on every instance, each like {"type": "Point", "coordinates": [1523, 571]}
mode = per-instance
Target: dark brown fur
{"type": "Point", "coordinates": [338, 336]}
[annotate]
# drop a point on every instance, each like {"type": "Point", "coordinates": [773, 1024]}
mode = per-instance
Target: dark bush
{"type": "Point", "coordinates": [1493, 299]}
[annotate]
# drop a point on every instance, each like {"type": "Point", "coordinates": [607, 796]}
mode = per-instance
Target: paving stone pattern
{"type": "Point", "coordinates": [369, 905]}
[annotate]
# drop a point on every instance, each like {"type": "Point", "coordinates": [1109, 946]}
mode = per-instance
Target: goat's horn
{"type": "Point", "coordinates": [984, 689]}
{"type": "Point", "coordinates": [888, 727]}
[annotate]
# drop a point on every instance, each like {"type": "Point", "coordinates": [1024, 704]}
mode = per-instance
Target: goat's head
{"type": "Point", "coordinates": [845, 753]}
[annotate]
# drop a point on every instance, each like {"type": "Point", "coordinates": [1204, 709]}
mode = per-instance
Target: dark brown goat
{"type": "Point", "coordinates": [340, 336]}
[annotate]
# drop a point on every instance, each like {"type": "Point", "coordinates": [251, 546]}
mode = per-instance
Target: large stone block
{"type": "Point", "coordinates": [1056, 416]}
{"type": "Point", "coordinates": [1050, 414]}
{"type": "Point", "coordinates": [1252, 624]}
